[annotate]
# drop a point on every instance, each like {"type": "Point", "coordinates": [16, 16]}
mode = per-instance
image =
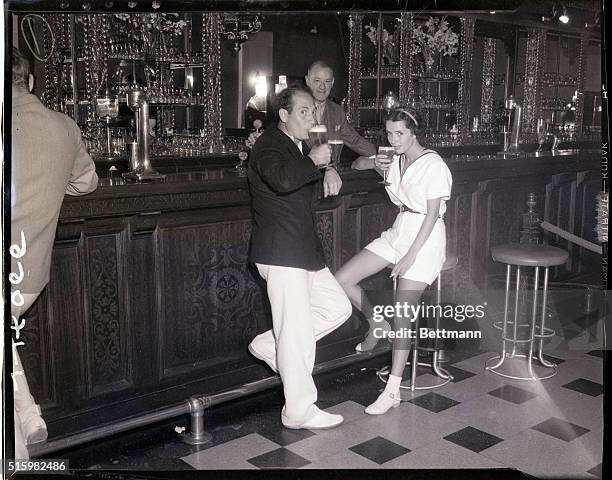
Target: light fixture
{"type": "Point", "coordinates": [558, 11]}
{"type": "Point", "coordinates": [238, 28]}
{"type": "Point", "coordinates": [156, 4]}
{"type": "Point", "coordinates": [492, 12]}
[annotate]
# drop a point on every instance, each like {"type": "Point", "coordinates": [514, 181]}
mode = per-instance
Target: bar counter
{"type": "Point", "coordinates": [151, 298]}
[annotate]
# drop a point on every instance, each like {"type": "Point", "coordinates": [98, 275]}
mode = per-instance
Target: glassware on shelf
{"type": "Point", "coordinates": [541, 133]}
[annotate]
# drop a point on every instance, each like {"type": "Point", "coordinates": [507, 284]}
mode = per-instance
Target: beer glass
{"type": "Point", "coordinates": [335, 144]}
{"type": "Point", "coordinates": [318, 135]}
{"type": "Point", "coordinates": [384, 158]}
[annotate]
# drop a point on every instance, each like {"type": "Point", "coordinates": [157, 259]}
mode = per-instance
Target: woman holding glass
{"type": "Point", "coordinates": [418, 183]}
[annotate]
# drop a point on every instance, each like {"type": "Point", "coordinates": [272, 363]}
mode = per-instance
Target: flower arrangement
{"type": "Point", "coordinates": [390, 43]}
{"type": "Point", "coordinates": [435, 39]}
{"type": "Point", "coordinates": [160, 22]}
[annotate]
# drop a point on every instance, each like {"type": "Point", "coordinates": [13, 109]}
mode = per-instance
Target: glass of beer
{"type": "Point", "coordinates": [384, 158]}
{"type": "Point", "coordinates": [335, 144]}
{"type": "Point", "coordinates": [318, 135]}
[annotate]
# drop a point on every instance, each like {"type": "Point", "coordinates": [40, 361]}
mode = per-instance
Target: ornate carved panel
{"type": "Point", "coordinates": [212, 305]}
{"type": "Point", "coordinates": [108, 333]}
{"type": "Point", "coordinates": [325, 231]}
{"type": "Point", "coordinates": [36, 352]}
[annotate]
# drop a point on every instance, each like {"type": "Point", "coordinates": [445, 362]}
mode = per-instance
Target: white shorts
{"type": "Point", "coordinates": [394, 243]}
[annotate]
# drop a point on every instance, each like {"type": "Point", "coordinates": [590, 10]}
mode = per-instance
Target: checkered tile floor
{"type": "Point", "coordinates": [548, 429]}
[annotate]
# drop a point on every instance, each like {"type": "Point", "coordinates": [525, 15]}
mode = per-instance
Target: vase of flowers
{"type": "Point", "coordinates": [390, 43]}
{"type": "Point", "coordinates": [434, 40]}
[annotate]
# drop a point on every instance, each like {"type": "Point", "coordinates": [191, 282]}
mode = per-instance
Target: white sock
{"type": "Point", "coordinates": [393, 384]}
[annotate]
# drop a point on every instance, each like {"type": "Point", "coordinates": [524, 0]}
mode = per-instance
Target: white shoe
{"type": "Point", "coordinates": [319, 421]}
{"type": "Point", "coordinates": [383, 403]}
{"type": "Point", "coordinates": [370, 342]}
{"type": "Point", "coordinates": [259, 356]}
{"type": "Point", "coordinates": [34, 429]}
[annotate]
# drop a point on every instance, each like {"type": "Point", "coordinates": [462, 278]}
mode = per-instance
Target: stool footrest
{"type": "Point", "coordinates": [551, 367]}
{"type": "Point", "coordinates": [384, 372]}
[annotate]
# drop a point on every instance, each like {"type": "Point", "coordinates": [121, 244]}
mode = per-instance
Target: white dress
{"type": "Point", "coordinates": [428, 177]}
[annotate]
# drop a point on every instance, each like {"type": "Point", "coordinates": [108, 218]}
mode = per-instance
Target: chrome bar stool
{"type": "Point", "coordinates": [442, 375]}
{"type": "Point", "coordinates": [535, 256]}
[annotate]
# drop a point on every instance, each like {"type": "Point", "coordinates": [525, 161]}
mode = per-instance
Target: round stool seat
{"type": "Point", "coordinates": [529, 255]}
{"type": "Point", "coordinates": [450, 262]}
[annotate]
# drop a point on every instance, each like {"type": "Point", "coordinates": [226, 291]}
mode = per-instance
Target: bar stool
{"type": "Point", "coordinates": [441, 373]}
{"type": "Point", "coordinates": [526, 255]}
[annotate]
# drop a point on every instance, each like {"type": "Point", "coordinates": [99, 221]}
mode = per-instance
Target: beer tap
{"type": "Point", "coordinates": [142, 169]}
{"type": "Point", "coordinates": [512, 126]}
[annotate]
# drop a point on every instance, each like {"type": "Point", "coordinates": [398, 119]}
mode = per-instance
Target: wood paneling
{"type": "Point", "coordinates": [151, 297]}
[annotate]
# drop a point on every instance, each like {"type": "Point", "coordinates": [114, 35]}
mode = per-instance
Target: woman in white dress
{"type": "Point", "coordinates": [415, 246]}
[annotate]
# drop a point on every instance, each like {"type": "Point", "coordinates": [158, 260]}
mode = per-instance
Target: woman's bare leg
{"type": "Point", "coordinates": [409, 291]}
{"type": "Point", "coordinates": [361, 266]}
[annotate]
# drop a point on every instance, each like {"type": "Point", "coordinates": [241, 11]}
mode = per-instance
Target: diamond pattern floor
{"type": "Point", "coordinates": [479, 421]}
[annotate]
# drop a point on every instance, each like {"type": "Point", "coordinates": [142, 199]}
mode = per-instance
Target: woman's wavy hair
{"type": "Point", "coordinates": [411, 118]}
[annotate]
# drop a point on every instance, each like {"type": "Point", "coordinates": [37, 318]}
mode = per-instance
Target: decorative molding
{"type": "Point", "coordinates": [488, 83]}
{"type": "Point", "coordinates": [354, 83]}
{"type": "Point", "coordinates": [582, 66]}
{"type": "Point", "coordinates": [536, 40]}
{"type": "Point", "coordinates": [406, 85]}
{"type": "Point", "coordinates": [211, 88]}
{"type": "Point", "coordinates": [467, 53]}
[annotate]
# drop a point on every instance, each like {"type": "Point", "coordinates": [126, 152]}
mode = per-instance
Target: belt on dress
{"type": "Point", "coordinates": [404, 208]}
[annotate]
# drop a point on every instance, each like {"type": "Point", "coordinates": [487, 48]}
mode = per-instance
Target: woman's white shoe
{"type": "Point", "coordinates": [383, 403]}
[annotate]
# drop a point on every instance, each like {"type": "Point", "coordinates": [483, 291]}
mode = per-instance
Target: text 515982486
{"type": "Point", "coordinates": [36, 466]}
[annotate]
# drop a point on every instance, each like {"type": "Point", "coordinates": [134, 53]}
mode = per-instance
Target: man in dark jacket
{"type": "Point", "coordinates": [307, 302]}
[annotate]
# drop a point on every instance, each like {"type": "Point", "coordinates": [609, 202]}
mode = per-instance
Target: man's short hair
{"type": "Point", "coordinates": [285, 98]}
{"type": "Point", "coordinates": [21, 69]}
{"type": "Point", "coordinates": [319, 64]}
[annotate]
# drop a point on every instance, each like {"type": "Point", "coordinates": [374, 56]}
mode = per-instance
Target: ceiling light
{"type": "Point", "coordinates": [563, 18]}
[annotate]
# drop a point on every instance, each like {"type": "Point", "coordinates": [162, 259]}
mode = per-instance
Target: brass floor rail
{"type": "Point", "coordinates": [195, 406]}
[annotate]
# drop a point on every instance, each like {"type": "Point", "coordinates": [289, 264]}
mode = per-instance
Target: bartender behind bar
{"type": "Point", "coordinates": [48, 160]}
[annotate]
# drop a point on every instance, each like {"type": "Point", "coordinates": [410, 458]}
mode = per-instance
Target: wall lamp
{"type": "Point", "coordinates": [237, 28]}
{"type": "Point", "coordinates": [559, 12]}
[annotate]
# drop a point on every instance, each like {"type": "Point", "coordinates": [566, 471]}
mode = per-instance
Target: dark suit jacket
{"type": "Point", "coordinates": [335, 120]}
{"type": "Point", "coordinates": [282, 181]}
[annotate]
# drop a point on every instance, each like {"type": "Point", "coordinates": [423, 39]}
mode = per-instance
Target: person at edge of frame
{"type": "Point", "coordinates": [48, 161]}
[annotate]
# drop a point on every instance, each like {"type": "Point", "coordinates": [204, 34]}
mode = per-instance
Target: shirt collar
{"type": "Point", "coordinates": [293, 139]}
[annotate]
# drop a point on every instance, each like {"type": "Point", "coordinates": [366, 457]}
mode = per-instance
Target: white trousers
{"type": "Point", "coordinates": [306, 306]}
{"type": "Point", "coordinates": [27, 412]}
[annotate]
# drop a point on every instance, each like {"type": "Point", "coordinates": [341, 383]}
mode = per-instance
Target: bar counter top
{"type": "Point", "coordinates": [172, 193]}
